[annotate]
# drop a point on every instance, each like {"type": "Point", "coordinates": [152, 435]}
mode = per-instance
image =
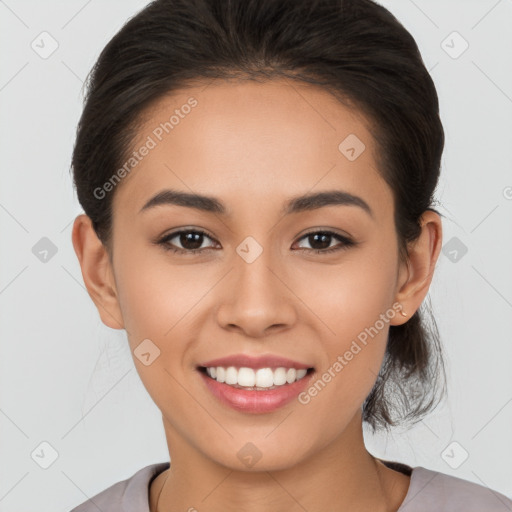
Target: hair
{"type": "Point", "coordinates": [355, 49]}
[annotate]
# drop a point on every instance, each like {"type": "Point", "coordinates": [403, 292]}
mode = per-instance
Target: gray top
{"type": "Point", "coordinates": [429, 491]}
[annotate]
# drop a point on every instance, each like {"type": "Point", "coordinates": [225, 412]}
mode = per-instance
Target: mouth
{"type": "Point", "coordinates": [255, 379]}
{"type": "Point", "coordinates": [255, 391]}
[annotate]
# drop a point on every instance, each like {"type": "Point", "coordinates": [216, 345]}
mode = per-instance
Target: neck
{"type": "Point", "coordinates": [342, 476]}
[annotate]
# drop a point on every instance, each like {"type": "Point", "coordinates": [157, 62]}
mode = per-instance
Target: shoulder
{"type": "Point", "coordinates": [130, 495]}
{"type": "Point", "coordinates": [431, 490]}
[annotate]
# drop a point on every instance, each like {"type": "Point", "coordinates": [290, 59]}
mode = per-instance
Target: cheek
{"type": "Point", "coordinates": [158, 303]}
{"type": "Point", "coordinates": [350, 296]}
{"type": "Point", "coordinates": [155, 296]}
{"type": "Point", "coordinates": [354, 301]}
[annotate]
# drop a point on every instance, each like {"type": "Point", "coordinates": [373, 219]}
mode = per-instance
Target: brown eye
{"type": "Point", "coordinates": [321, 241]}
{"type": "Point", "coordinates": [191, 241]}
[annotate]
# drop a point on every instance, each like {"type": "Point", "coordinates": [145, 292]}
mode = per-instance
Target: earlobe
{"type": "Point", "coordinates": [97, 272]}
{"type": "Point", "coordinates": [423, 255]}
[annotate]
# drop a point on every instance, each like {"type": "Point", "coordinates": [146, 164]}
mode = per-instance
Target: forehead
{"type": "Point", "coordinates": [269, 139]}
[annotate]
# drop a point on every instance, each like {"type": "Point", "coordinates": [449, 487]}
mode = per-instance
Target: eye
{"type": "Point", "coordinates": [191, 241]}
{"type": "Point", "coordinates": [324, 239]}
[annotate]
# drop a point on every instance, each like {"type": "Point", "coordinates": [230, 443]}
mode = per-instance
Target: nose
{"type": "Point", "coordinates": [257, 299]}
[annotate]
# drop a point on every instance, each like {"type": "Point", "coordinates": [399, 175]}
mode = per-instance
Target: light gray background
{"type": "Point", "coordinates": [68, 380]}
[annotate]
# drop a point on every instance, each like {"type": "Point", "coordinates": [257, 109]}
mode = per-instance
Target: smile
{"type": "Point", "coordinates": [255, 391]}
{"type": "Point", "coordinates": [259, 379]}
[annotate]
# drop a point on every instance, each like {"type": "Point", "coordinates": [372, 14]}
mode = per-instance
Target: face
{"type": "Point", "coordinates": [304, 281]}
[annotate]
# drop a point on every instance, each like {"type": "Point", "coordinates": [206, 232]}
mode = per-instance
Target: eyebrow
{"type": "Point", "coordinates": [297, 204]}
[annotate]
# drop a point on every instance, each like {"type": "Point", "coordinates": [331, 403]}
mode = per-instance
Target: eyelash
{"type": "Point", "coordinates": [164, 242]}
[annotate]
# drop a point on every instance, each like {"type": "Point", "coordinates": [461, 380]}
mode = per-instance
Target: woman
{"type": "Point", "coordinates": [258, 184]}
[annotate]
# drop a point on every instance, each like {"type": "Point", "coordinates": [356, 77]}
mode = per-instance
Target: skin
{"type": "Point", "coordinates": [253, 146]}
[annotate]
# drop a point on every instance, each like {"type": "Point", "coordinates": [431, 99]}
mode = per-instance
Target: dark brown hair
{"type": "Point", "coordinates": [358, 51]}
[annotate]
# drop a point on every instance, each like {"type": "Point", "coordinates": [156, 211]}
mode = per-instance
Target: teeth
{"type": "Point", "coordinates": [263, 378]}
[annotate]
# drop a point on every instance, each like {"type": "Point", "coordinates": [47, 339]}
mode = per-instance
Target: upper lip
{"type": "Point", "coordinates": [262, 361]}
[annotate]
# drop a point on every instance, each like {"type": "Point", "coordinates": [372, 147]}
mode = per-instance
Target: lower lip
{"type": "Point", "coordinates": [253, 401]}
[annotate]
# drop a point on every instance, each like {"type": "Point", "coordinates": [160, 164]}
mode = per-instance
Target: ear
{"type": "Point", "coordinates": [97, 272]}
{"type": "Point", "coordinates": [416, 275]}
